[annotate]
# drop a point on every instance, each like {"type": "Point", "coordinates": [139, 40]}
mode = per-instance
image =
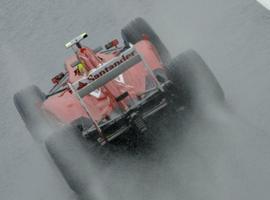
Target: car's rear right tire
{"type": "Point", "coordinates": [195, 84]}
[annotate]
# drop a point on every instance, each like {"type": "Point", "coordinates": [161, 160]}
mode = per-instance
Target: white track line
{"type": "Point", "coordinates": [265, 3]}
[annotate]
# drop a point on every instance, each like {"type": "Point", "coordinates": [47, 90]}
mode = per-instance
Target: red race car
{"type": "Point", "coordinates": [107, 92]}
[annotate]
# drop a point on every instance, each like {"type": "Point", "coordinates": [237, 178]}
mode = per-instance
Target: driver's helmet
{"type": "Point", "coordinates": [88, 59]}
{"type": "Point", "coordinates": [81, 69]}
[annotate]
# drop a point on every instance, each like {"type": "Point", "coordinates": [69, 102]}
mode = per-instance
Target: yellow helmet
{"type": "Point", "coordinates": [81, 68]}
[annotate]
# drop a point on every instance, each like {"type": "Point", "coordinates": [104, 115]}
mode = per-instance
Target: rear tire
{"type": "Point", "coordinates": [73, 155]}
{"type": "Point", "coordinates": [195, 84]}
{"type": "Point", "coordinates": [134, 31]}
{"type": "Point", "coordinates": [28, 102]}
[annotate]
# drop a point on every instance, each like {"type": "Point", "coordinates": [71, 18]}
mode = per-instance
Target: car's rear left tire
{"type": "Point", "coordinates": [136, 29]}
{"type": "Point", "coordinates": [75, 157]}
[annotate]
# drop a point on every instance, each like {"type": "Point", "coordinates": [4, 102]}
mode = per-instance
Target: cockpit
{"type": "Point", "coordinates": [83, 61]}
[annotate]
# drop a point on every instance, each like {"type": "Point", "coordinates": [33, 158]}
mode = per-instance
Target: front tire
{"type": "Point", "coordinates": [134, 31]}
{"type": "Point", "coordinates": [28, 102]}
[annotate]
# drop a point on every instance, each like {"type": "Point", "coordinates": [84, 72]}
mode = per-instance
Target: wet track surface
{"type": "Point", "coordinates": [217, 154]}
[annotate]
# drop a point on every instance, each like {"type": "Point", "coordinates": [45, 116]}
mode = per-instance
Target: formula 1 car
{"type": "Point", "coordinates": [109, 91]}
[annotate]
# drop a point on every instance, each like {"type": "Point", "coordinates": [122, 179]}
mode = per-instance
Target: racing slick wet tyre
{"type": "Point", "coordinates": [72, 154]}
{"type": "Point", "coordinates": [136, 29]}
{"type": "Point", "coordinates": [27, 102]}
{"type": "Point", "coordinates": [195, 84]}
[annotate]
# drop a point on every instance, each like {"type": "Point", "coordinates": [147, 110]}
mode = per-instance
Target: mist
{"type": "Point", "coordinates": [215, 152]}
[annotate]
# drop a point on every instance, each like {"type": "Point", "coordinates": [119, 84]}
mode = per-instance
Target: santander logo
{"type": "Point", "coordinates": [99, 73]}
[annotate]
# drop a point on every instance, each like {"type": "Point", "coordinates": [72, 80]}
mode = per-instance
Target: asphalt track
{"type": "Point", "coordinates": [218, 154]}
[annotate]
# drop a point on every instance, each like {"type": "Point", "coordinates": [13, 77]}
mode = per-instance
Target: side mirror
{"type": "Point", "coordinates": [57, 78]}
{"type": "Point", "coordinates": [111, 44]}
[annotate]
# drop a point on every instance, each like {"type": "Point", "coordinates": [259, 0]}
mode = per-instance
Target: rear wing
{"type": "Point", "coordinates": [105, 73]}
{"type": "Point", "coordinates": [108, 71]}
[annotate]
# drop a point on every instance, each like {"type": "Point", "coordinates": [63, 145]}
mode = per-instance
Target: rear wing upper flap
{"type": "Point", "coordinates": [108, 71]}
